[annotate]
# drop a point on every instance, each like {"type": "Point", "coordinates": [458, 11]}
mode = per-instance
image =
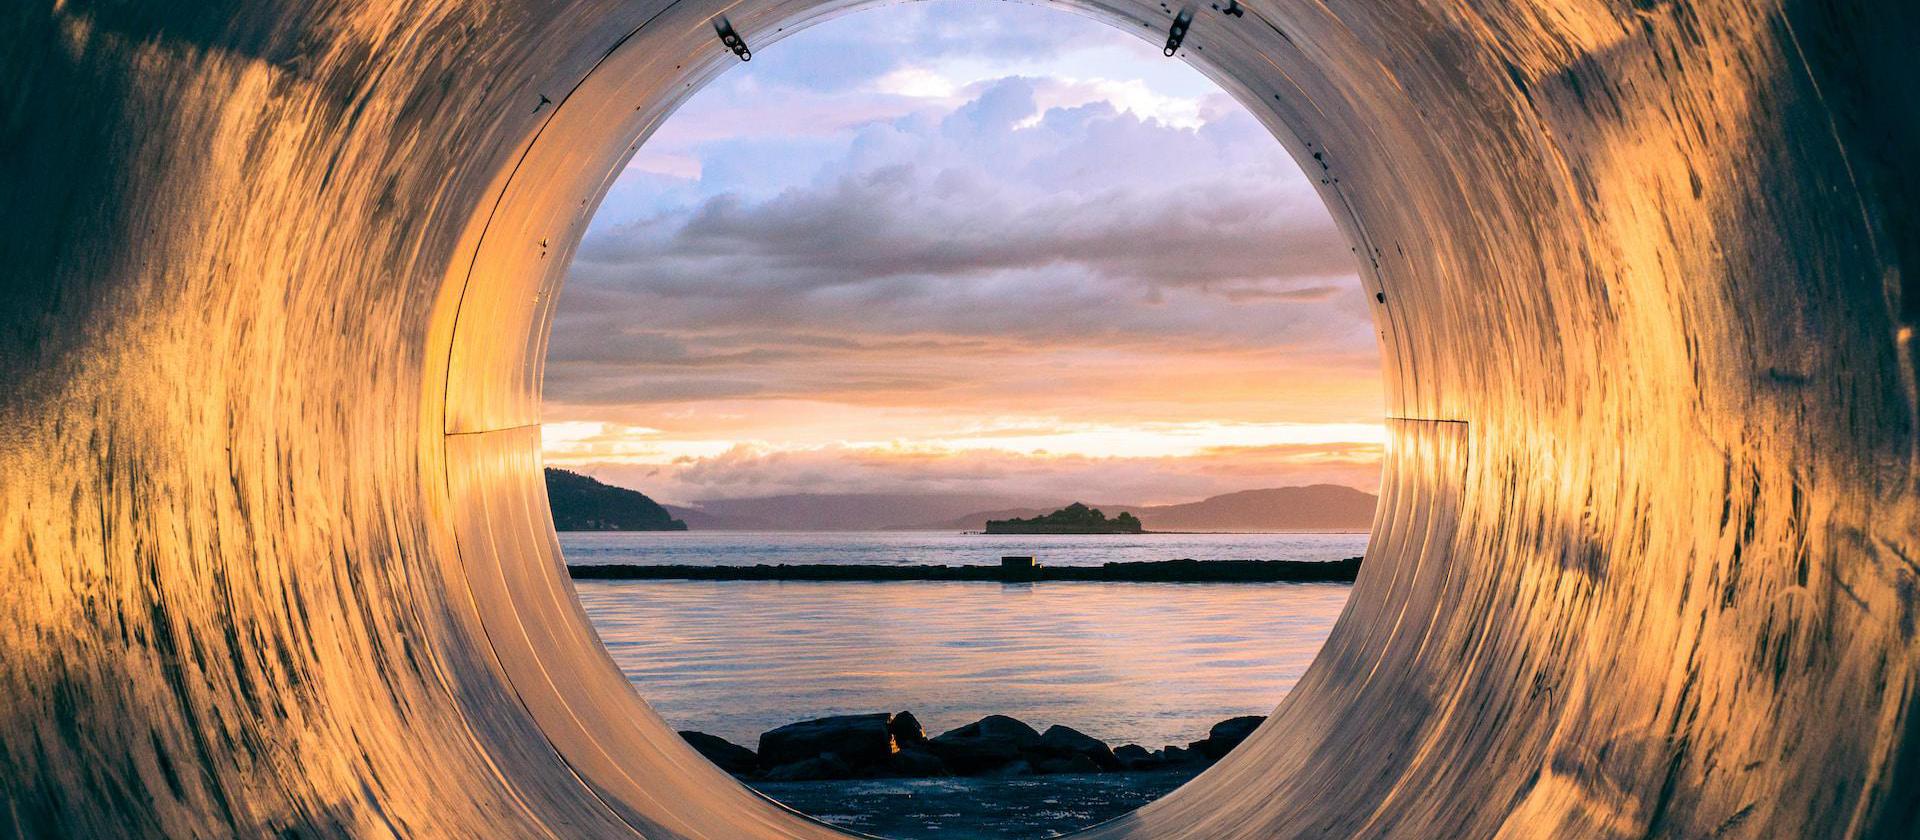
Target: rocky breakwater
{"type": "Point", "coordinates": [886, 745]}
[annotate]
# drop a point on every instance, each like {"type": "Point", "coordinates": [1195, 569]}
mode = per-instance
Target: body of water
{"type": "Point", "coordinates": [746, 548]}
{"type": "Point", "coordinates": [1153, 664]}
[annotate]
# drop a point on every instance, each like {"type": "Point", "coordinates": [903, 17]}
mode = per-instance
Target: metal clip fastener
{"type": "Point", "coordinates": [1178, 32]}
{"type": "Point", "coordinates": [732, 39]}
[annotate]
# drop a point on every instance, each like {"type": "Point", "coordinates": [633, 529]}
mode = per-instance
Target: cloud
{"type": "Point", "coordinates": [972, 227]}
{"type": "Point", "coordinates": [895, 239]}
{"type": "Point", "coordinates": [851, 52]}
{"type": "Point", "coordinates": [1085, 187]}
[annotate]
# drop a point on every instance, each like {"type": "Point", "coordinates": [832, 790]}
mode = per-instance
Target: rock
{"type": "Point", "coordinates": [916, 762]}
{"type": "Point", "coordinates": [817, 768]}
{"type": "Point", "coordinates": [1235, 729]}
{"type": "Point", "coordinates": [1001, 726]}
{"type": "Point", "coordinates": [1226, 735]}
{"type": "Point", "coordinates": [1135, 757]}
{"type": "Point", "coordinates": [724, 754]}
{"type": "Point", "coordinates": [1064, 741]}
{"type": "Point", "coordinates": [906, 730]}
{"type": "Point", "coordinates": [858, 740]}
{"type": "Point", "coordinates": [986, 744]}
{"type": "Point", "coordinates": [1074, 763]}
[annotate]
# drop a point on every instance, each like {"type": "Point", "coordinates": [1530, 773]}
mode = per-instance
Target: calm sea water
{"type": "Point", "coordinates": [1153, 664]}
{"type": "Point", "coordinates": [746, 548]}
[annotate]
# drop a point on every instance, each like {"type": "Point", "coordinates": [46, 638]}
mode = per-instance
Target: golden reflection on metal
{"type": "Point", "coordinates": [278, 278]}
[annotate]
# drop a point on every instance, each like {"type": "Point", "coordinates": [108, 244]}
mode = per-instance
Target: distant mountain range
{"type": "Point", "coordinates": [1318, 507]}
{"type": "Point", "coordinates": [837, 511]}
{"type": "Point", "coordinates": [1315, 507]}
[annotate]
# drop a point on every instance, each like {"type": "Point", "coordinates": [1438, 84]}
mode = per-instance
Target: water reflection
{"type": "Point", "coordinates": [1152, 664]}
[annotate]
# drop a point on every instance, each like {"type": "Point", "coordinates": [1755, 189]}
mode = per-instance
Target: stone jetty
{"type": "Point", "coordinates": [887, 745]}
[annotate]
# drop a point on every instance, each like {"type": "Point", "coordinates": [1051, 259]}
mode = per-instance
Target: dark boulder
{"type": "Point", "coordinates": [986, 744]}
{"type": "Point", "coordinates": [1135, 757]}
{"type": "Point", "coordinates": [1236, 729]}
{"type": "Point", "coordinates": [1226, 735]}
{"type": "Point", "coordinates": [1064, 741]}
{"type": "Point", "coordinates": [858, 740]}
{"type": "Point", "coordinates": [915, 762]}
{"type": "Point", "coordinates": [817, 768]}
{"type": "Point", "coordinates": [906, 730]}
{"type": "Point", "coordinates": [724, 754]}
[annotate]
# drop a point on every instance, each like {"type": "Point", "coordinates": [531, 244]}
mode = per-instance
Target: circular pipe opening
{"type": "Point", "coordinates": [522, 253]}
{"type": "Point", "coordinates": [1163, 166]}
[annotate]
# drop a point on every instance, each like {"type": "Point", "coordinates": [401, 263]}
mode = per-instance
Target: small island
{"type": "Point", "coordinates": [1075, 518]}
{"type": "Point", "coordinates": [580, 503]}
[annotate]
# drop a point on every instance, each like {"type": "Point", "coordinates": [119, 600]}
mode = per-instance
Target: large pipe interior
{"type": "Point", "coordinates": [277, 276]}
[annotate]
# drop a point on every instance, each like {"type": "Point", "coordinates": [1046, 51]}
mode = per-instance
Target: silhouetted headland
{"type": "Point", "coordinates": [1165, 571]}
{"type": "Point", "coordinates": [581, 503]}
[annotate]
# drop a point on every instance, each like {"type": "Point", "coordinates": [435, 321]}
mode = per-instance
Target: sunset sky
{"type": "Point", "coordinates": [963, 247]}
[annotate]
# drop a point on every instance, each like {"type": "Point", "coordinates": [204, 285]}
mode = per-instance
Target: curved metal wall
{"type": "Point", "coordinates": [274, 285]}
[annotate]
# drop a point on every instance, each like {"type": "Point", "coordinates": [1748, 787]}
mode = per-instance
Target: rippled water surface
{"type": "Point", "coordinates": [1154, 664]}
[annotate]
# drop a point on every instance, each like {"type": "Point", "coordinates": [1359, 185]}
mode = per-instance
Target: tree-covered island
{"type": "Point", "coordinates": [1075, 518]}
